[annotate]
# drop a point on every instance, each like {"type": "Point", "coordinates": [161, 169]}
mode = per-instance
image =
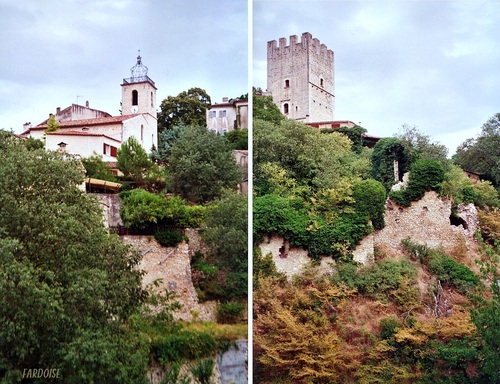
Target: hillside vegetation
{"type": "Point", "coordinates": [418, 314]}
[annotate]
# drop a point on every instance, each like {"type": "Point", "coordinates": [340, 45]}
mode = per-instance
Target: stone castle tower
{"type": "Point", "coordinates": [300, 77]}
{"type": "Point", "coordinates": [139, 91]}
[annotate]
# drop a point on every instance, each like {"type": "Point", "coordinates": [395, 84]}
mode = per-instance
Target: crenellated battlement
{"type": "Point", "coordinates": [306, 43]}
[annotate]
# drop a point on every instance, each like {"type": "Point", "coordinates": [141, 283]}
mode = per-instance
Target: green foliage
{"type": "Point", "coordinates": [420, 147]}
{"type": "Point", "coordinates": [67, 287]}
{"type": "Point", "coordinates": [169, 237]}
{"type": "Point", "coordinates": [52, 125]}
{"type": "Point", "coordinates": [201, 165]}
{"type": "Point", "coordinates": [425, 175]}
{"type": "Point", "coordinates": [166, 140]}
{"type": "Point", "coordinates": [386, 152]}
{"type": "Point", "coordinates": [388, 327]}
{"type": "Point", "coordinates": [450, 272]}
{"type": "Point", "coordinates": [133, 161]}
{"type": "Point", "coordinates": [444, 267]}
{"type": "Point", "coordinates": [237, 139]}
{"type": "Point", "coordinates": [32, 143]}
{"type": "Point", "coordinates": [225, 234]}
{"type": "Point", "coordinates": [265, 109]}
{"type": "Point", "coordinates": [184, 345]}
{"type": "Point", "coordinates": [196, 216]}
{"type": "Point", "coordinates": [187, 108]}
{"type": "Point", "coordinates": [143, 209]}
{"type": "Point", "coordinates": [96, 168]}
{"type": "Point", "coordinates": [370, 198]}
{"type": "Point", "coordinates": [355, 134]}
{"type": "Point", "coordinates": [274, 214]}
{"type": "Point", "coordinates": [230, 312]}
{"type": "Point", "coordinates": [202, 370]}
{"type": "Point", "coordinates": [481, 155]}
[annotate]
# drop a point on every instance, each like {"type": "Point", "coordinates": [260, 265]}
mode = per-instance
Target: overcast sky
{"type": "Point", "coordinates": [430, 64]}
{"type": "Point", "coordinates": [55, 53]}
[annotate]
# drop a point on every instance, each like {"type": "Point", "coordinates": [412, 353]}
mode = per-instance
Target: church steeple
{"type": "Point", "coordinates": [139, 91]}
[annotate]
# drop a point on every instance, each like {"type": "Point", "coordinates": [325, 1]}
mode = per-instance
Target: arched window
{"type": "Point", "coordinates": [135, 97]}
{"type": "Point", "coordinates": [285, 108]}
{"type": "Point", "coordinates": [287, 83]}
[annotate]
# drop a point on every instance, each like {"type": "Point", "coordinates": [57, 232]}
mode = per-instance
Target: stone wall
{"type": "Point", "coordinates": [426, 221]}
{"type": "Point", "coordinates": [291, 261]}
{"type": "Point", "coordinates": [172, 265]}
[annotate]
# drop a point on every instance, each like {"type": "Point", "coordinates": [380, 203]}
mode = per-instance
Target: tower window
{"type": "Point", "coordinates": [285, 108]}
{"type": "Point", "coordinates": [135, 97]}
{"type": "Point", "coordinates": [287, 83]}
{"type": "Point", "coordinates": [321, 83]}
{"type": "Point", "coordinates": [142, 132]}
{"type": "Point", "coordinates": [152, 100]}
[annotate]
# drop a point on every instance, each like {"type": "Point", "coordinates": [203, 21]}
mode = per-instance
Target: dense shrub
{"type": "Point", "coordinates": [444, 267]}
{"type": "Point", "coordinates": [142, 209]}
{"type": "Point", "coordinates": [425, 175]}
{"type": "Point", "coordinates": [370, 198]}
{"type": "Point", "coordinates": [452, 273]}
{"type": "Point", "coordinates": [230, 312]}
{"type": "Point", "coordinates": [184, 345]}
{"type": "Point", "coordinates": [169, 237]}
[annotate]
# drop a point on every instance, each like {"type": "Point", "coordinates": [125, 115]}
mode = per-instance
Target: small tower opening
{"type": "Point", "coordinates": [285, 108]}
{"type": "Point", "coordinates": [135, 97]}
{"type": "Point", "coordinates": [287, 83]}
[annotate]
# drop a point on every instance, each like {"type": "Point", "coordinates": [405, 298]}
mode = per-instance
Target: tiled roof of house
{"type": "Point", "coordinates": [87, 122]}
{"type": "Point", "coordinates": [80, 133]}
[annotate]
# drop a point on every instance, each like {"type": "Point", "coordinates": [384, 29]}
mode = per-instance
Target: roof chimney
{"type": "Point", "coordinates": [225, 99]}
{"type": "Point", "coordinates": [87, 103]}
{"type": "Point", "coordinates": [58, 110]}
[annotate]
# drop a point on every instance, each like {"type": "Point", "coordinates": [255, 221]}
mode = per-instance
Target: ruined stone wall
{"type": "Point", "coordinates": [173, 266]}
{"type": "Point", "coordinates": [426, 221]}
{"type": "Point", "coordinates": [293, 260]}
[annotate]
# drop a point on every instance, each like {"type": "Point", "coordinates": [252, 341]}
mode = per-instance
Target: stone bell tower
{"type": "Point", "coordinates": [139, 91]}
{"type": "Point", "coordinates": [300, 77]}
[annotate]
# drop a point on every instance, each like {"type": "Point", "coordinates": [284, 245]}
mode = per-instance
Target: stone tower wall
{"type": "Point", "coordinates": [301, 75]}
{"type": "Point", "coordinates": [146, 98]}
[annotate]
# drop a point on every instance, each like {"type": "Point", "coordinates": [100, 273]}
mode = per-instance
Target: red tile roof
{"type": "Point", "coordinates": [80, 133]}
{"type": "Point", "coordinates": [87, 122]}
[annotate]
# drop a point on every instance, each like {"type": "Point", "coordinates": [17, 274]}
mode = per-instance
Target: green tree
{"type": "Point", "coordinates": [187, 108]}
{"type": "Point", "coordinates": [238, 138]}
{"type": "Point", "coordinates": [481, 154]}
{"type": "Point", "coordinates": [420, 146]}
{"type": "Point", "coordinates": [133, 161]}
{"type": "Point", "coordinates": [225, 234]}
{"type": "Point", "coordinates": [95, 167]}
{"type": "Point", "coordinates": [201, 165]}
{"type": "Point", "coordinates": [67, 287]}
{"type": "Point", "coordinates": [265, 109]}
{"type": "Point", "coordinates": [52, 124]}
{"type": "Point", "coordinates": [166, 140]}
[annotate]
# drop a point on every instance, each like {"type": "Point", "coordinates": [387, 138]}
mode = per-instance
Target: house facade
{"type": "Point", "coordinates": [228, 115]}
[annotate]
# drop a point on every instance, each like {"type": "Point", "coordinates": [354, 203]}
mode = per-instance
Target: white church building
{"type": "Point", "coordinates": [84, 131]}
